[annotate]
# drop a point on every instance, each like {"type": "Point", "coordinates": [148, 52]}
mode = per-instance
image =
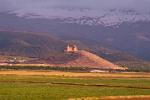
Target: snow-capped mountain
{"type": "Point", "coordinates": [113, 17]}
{"type": "Point", "coordinates": [83, 16]}
{"type": "Point", "coordinates": [122, 25]}
{"type": "Point", "coordinates": [84, 12]}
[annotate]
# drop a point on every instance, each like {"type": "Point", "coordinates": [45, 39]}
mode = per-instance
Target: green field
{"type": "Point", "coordinates": [13, 87]}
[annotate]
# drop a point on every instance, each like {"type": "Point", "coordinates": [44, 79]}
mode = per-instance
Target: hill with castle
{"type": "Point", "coordinates": [88, 59]}
{"type": "Point", "coordinates": [74, 57]}
{"type": "Point", "coordinates": [36, 48]}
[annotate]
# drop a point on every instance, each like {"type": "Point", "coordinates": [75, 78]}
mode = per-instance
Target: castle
{"type": "Point", "coordinates": [71, 48]}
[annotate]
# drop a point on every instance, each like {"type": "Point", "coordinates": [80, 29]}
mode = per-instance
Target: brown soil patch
{"type": "Point", "coordinates": [91, 60]}
{"type": "Point", "coordinates": [73, 74]}
{"type": "Point", "coordinates": [140, 97]}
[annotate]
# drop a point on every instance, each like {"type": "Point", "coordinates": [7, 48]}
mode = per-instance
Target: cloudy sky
{"type": "Point", "coordinates": [69, 8]}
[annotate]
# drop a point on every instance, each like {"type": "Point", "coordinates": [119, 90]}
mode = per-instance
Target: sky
{"type": "Point", "coordinates": [70, 8]}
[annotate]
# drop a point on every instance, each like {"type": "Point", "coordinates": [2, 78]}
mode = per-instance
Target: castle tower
{"type": "Point", "coordinates": [75, 48]}
{"type": "Point", "coordinates": [71, 48]}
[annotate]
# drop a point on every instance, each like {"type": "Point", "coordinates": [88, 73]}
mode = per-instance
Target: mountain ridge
{"type": "Point", "coordinates": [41, 48]}
{"type": "Point", "coordinates": [129, 37]}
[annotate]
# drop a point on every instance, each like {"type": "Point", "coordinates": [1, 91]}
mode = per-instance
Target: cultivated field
{"type": "Point", "coordinates": [48, 85]}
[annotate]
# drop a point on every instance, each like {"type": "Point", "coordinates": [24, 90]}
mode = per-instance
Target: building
{"type": "Point", "coordinates": [71, 48]}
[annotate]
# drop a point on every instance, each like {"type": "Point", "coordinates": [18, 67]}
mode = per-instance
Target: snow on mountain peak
{"type": "Point", "coordinates": [89, 12]}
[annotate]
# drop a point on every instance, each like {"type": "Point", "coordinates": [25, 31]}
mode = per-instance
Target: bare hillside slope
{"type": "Point", "coordinates": [87, 59]}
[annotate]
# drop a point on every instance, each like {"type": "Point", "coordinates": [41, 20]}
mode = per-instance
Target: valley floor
{"type": "Point", "coordinates": [52, 85]}
{"type": "Point", "coordinates": [77, 74]}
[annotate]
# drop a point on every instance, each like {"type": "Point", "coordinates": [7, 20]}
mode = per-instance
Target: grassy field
{"type": "Point", "coordinates": [60, 87]}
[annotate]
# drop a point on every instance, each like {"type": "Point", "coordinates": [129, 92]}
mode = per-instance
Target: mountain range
{"type": "Point", "coordinates": [50, 49]}
{"type": "Point", "coordinates": [118, 35]}
{"type": "Point", "coordinates": [128, 36]}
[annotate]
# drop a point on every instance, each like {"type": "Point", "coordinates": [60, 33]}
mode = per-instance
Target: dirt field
{"type": "Point", "coordinates": [72, 74]}
{"type": "Point", "coordinates": [116, 98]}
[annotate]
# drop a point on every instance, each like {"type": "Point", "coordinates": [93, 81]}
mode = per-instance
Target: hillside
{"type": "Point", "coordinates": [46, 48]}
{"type": "Point", "coordinates": [29, 44]}
{"type": "Point", "coordinates": [42, 45]}
{"type": "Point", "coordinates": [79, 60]}
{"type": "Point", "coordinates": [87, 59]}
